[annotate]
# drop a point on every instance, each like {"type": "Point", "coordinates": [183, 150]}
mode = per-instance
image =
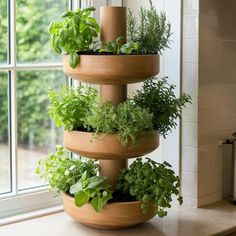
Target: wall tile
{"type": "Point", "coordinates": [209, 182]}
{"type": "Point", "coordinates": [190, 26]}
{"type": "Point", "coordinates": [189, 184]}
{"type": "Point", "coordinates": [209, 199]}
{"type": "Point", "coordinates": [189, 159]}
{"type": "Point", "coordinates": [189, 134]}
{"type": "Point", "coordinates": [190, 50]}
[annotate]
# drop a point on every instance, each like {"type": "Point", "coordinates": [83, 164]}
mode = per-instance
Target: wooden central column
{"type": "Point", "coordinates": [113, 25]}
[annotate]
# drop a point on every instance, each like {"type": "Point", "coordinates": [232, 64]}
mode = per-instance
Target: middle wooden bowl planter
{"type": "Point", "coordinates": [107, 146]}
{"type": "Point", "coordinates": [113, 69]}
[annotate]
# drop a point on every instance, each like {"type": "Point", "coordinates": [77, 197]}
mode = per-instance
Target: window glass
{"type": "Point", "coordinates": [32, 21]}
{"type": "Point", "coordinates": [37, 133]}
{"type": "Point", "coordinates": [4, 142]}
{"type": "Point", "coordinates": [3, 31]}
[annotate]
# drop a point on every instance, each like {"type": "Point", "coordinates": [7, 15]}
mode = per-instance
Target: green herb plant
{"type": "Point", "coordinates": [93, 190]}
{"type": "Point", "coordinates": [159, 98]}
{"type": "Point", "coordinates": [75, 33]}
{"type": "Point", "coordinates": [151, 183]}
{"type": "Point", "coordinates": [69, 106]}
{"type": "Point", "coordinates": [61, 171]}
{"type": "Point", "coordinates": [116, 47]}
{"type": "Point", "coordinates": [80, 109]}
{"type": "Point", "coordinates": [151, 30]}
{"type": "Point", "coordinates": [77, 177]}
{"type": "Point", "coordinates": [127, 120]}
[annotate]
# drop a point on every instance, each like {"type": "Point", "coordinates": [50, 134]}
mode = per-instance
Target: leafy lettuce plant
{"type": "Point", "coordinates": [61, 171]}
{"type": "Point", "coordinates": [75, 33]}
{"type": "Point", "coordinates": [151, 183]}
{"type": "Point", "coordinates": [158, 97]}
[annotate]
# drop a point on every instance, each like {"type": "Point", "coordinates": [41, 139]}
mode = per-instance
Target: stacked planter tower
{"type": "Point", "coordinates": [112, 73]}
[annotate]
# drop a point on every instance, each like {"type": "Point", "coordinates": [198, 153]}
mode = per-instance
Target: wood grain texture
{"type": "Point", "coordinates": [107, 146]}
{"type": "Point", "coordinates": [113, 216]}
{"type": "Point", "coordinates": [113, 69]}
{"type": "Point", "coordinates": [113, 23]}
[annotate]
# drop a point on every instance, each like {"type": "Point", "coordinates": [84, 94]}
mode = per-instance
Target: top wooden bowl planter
{"type": "Point", "coordinates": [113, 69]}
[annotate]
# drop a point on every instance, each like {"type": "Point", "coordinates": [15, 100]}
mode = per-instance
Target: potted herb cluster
{"type": "Point", "coordinates": [100, 129]}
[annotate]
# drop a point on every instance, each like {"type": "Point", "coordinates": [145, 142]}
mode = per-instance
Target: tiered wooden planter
{"type": "Point", "coordinates": [113, 73]}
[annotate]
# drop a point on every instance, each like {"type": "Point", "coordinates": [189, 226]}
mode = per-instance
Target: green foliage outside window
{"type": "Point", "coordinates": [33, 46]}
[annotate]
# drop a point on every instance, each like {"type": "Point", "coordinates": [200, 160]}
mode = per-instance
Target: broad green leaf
{"type": "Point", "coordinates": [97, 204]}
{"type": "Point", "coordinates": [81, 198]}
{"type": "Point", "coordinates": [73, 59]}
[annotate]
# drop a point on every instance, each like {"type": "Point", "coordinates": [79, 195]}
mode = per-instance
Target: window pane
{"type": "Point", "coordinates": [37, 134]}
{"type": "Point", "coordinates": [3, 31]}
{"type": "Point", "coordinates": [4, 142]}
{"type": "Point", "coordinates": [32, 20]}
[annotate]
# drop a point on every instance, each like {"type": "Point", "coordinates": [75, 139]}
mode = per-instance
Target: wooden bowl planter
{"type": "Point", "coordinates": [113, 69]}
{"type": "Point", "coordinates": [107, 146]}
{"type": "Point", "coordinates": [113, 216]}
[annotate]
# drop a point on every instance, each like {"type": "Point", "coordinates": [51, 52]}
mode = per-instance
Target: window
{"type": "Point", "coordinates": [28, 69]}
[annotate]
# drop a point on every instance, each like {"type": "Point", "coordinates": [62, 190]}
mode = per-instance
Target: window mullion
{"type": "Point", "coordinates": [13, 99]}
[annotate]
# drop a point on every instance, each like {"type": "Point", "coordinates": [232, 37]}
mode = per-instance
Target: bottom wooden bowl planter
{"type": "Point", "coordinates": [107, 146]}
{"type": "Point", "coordinates": [113, 216]}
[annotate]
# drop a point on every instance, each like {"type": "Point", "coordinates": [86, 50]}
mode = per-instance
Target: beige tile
{"type": "Point", "coordinates": [209, 182]}
{"type": "Point", "coordinates": [209, 199]}
{"type": "Point", "coordinates": [217, 113]}
{"type": "Point", "coordinates": [208, 90]}
{"type": "Point", "coordinates": [210, 158]}
{"type": "Point", "coordinates": [209, 53]}
{"type": "Point", "coordinates": [217, 126]}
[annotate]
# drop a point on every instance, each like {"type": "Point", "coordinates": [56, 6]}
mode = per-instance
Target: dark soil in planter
{"type": "Point", "coordinates": [121, 197]}
{"type": "Point", "coordinates": [117, 197]}
{"type": "Point", "coordinates": [109, 53]}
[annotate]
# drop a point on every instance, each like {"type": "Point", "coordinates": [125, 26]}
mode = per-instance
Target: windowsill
{"type": "Point", "coordinates": [31, 215]}
{"type": "Point", "coordinates": [217, 219]}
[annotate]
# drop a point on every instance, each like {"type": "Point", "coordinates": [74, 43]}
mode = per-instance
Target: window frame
{"type": "Point", "coordinates": [17, 201]}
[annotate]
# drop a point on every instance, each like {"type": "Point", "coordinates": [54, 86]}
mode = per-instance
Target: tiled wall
{"type": "Point", "coordinates": [209, 75]}
{"type": "Point", "coordinates": [190, 65]}
{"type": "Point", "coordinates": [217, 92]}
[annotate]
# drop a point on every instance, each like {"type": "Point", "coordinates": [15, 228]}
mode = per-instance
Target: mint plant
{"type": "Point", "coordinates": [75, 33]}
{"type": "Point", "coordinates": [61, 171]}
{"type": "Point", "coordinates": [151, 183]}
{"type": "Point", "coordinates": [159, 98]}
